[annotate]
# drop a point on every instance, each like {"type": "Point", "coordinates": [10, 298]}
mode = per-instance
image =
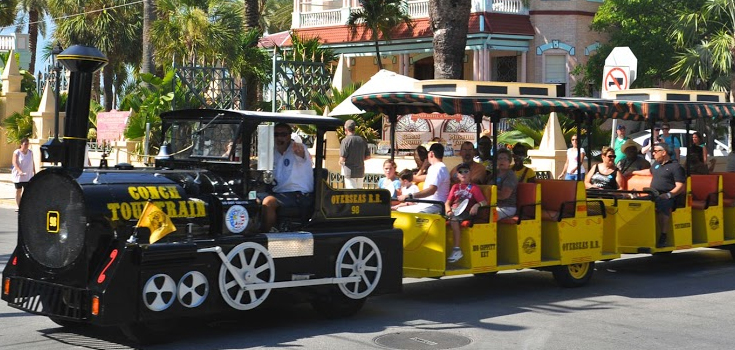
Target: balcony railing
{"type": "Point", "coordinates": [7, 42]}
{"type": "Point", "coordinates": [416, 9]}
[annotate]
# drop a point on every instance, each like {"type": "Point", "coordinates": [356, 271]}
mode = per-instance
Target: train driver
{"type": "Point", "coordinates": [294, 177]}
{"type": "Point", "coordinates": [669, 180]}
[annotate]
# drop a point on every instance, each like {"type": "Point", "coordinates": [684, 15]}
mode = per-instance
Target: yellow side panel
{"type": "Point", "coordinates": [424, 243]}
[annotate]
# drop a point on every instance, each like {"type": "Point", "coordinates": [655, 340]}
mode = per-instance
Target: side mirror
{"type": "Point", "coordinates": [265, 147]}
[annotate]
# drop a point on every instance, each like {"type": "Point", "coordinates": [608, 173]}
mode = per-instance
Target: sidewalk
{"type": "Point", "coordinates": [7, 189]}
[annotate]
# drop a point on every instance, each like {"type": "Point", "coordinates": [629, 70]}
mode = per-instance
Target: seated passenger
{"type": "Point", "coordinates": [407, 187]}
{"type": "Point", "coordinates": [436, 185]}
{"type": "Point", "coordinates": [524, 173]}
{"type": "Point", "coordinates": [478, 175]}
{"type": "Point", "coordinates": [460, 192]}
{"type": "Point", "coordinates": [695, 162]}
{"type": "Point", "coordinates": [604, 176]}
{"type": "Point", "coordinates": [507, 184]}
{"type": "Point", "coordinates": [294, 177]}
{"type": "Point", "coordinates": [668, 181]}
{"type": "Point", "coordinates": [390, 181]}
{"type": "Point", "coordinates": [484, 153]}
{"type": "Point", "coordinates": [421, 157]}
{"type": "Point", "coordinates": [633, 160]}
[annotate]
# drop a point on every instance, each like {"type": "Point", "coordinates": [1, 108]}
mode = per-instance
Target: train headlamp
{"type": "Point", "coordinates": [52, 151]}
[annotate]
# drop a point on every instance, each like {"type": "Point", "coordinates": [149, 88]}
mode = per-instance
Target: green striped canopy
{"type": "Point", "coordinates": [398, 103]}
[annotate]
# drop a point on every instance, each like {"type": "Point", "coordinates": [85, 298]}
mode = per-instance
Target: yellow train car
{"type": "Point", "coordinates": [556, 228]}
{"type": "Point", "coordinates": [700, 218]}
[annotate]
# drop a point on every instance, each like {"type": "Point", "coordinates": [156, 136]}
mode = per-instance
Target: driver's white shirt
{"type": "Point", "coordinates": [293, 173]}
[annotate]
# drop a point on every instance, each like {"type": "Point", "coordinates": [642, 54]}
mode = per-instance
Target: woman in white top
{"type": "Point", "coordinates": [23, 168]}
{"type": "Point", "coordinates": [569, 172]}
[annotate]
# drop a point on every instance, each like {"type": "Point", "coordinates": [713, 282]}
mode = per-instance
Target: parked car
{"type": "Point", "coordinates": [721, 149]}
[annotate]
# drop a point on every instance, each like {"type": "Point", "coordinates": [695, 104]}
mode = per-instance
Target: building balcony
{"type": "Point", "coordinates": [323, 13]}
{"type": "Point", "coordinates": [17, 42]}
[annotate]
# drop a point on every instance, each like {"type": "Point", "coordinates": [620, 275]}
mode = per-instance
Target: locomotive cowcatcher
{"type": "Point", "coordinates": [82, 258]}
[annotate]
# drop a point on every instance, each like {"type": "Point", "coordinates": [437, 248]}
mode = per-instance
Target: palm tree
{"type": "Point", "coordinates": [7, 12]}
{"type": "Point", "coordinates": [116, 32]}
{"type": "Point", "coordinates": [707, 41]}
{"type": "Point", "coordinates": [251, 14]}
{"type": "Point", "coordinates": [275, 15]}
{"type": "Point", "coordinates": [196, 31]}
{"type": "Point", "coordinates": [381, 18]}
{"type": "Point", "coordinates": [449, 21]}
{"type": "Point", "coordinates": [149, 15]}
{"type": "Point", "coordinates": [36, 10]}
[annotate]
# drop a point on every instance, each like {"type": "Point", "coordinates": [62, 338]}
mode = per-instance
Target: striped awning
{"type": "Point", "coordinates": [398, 103]}
{"type": "Point", "coordinates": [674, 110]}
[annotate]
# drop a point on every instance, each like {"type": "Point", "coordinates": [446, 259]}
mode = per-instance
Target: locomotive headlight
{"type": "Point", "coordinates": [6, 286]}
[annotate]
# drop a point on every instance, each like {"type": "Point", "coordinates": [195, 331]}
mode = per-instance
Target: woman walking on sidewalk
{"type": "Point", "coordinates": [23, 168]}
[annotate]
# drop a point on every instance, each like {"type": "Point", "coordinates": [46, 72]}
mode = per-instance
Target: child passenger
{"type": "Point", "coordinates": [407, 186]}
{"type": "Point", "coordinates": [460, 192]}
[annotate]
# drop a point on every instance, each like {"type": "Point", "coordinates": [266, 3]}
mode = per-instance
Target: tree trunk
{"type": "Point", "coordinates": [377, 52]}
{"type": "Point", "coordinates": [32, 39]}
{"type": "Point", "coordinates": [107, 77]}
{"type": "Point", "coordinates": [449, 20]}
{"type": "Point", "coordinates": [149, 15]}
{"type": "Point", "coordinates": [251, 14]}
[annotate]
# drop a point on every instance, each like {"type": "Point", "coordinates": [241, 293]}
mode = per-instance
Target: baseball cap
{"type": "Point", "coordinates": [621, 127]}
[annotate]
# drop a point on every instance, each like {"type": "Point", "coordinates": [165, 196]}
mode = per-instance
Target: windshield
{"type": "Point", "coordinates": [201, 139]}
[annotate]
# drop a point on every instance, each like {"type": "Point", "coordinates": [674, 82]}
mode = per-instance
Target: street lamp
{"type": "Point", "coordinates": [53, 150]}
{"type": "Point", "coordinates": [57, 77]}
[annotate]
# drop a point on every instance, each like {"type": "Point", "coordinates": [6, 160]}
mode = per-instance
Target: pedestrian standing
{"type": "Point", "coordinates": [353, 152]}
{"type": "Point", "coordinates": [23, 168]}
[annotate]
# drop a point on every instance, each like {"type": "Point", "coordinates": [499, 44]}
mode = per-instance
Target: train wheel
{"type": "Point", "coordinates": [731, 248]}
{"type": "Point", "coordinates": [573, 275]}
{"type": "Point", "coordinates": [193, 289]}
{"type": "Point", "coordinates": [159, 292]}
{"type": "Point", "coordinates": [359, 257]}
{"type": "Point", "coordinates": [253, 264]}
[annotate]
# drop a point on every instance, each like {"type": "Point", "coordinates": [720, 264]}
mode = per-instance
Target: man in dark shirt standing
{"type": "Point", "coordinates": [353, 152]}
{"type": "Point", "coordinates": [670, 181]}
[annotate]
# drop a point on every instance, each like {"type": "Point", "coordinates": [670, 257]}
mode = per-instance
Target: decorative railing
{"type": "Point", "coordinates": [416, 9]}
{"type": "Point", "coordinates": [7, 42]}
{"type": "Point", "coordinates": [322, 18]}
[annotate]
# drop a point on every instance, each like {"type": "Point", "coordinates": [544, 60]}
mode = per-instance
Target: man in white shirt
{"type": "Point", "coordinates": [436, 185]}
{"type": "Point", "coordinates": [294, 176]}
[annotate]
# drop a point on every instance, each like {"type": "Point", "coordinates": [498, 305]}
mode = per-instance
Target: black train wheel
{"type": "Point", "coordinates": [573, 275]}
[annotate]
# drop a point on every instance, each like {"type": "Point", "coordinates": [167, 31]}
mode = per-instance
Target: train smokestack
{"type": "Point", "coordinates": [82, 62]}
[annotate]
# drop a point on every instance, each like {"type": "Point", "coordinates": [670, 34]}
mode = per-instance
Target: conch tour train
{"type": "Point", "coordinates": [139, 248]}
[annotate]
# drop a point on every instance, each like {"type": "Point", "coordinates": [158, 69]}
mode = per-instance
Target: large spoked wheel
{"type": "Point", "coordinates": [359, 257]}
{"type": "Point", "coordinates": [254, 265]}
{"type": "Point", "coordinates": [573, 275]}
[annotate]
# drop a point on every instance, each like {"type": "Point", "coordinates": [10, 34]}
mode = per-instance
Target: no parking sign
{"type": "Point", "coordinates": [615, 79]}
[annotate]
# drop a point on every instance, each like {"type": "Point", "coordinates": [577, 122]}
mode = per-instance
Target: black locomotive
{"type": "Point", "coordinates": [81, 257]}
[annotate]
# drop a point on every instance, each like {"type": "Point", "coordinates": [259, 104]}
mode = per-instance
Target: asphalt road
{"type": "Point", "coordinates": [681, 301]}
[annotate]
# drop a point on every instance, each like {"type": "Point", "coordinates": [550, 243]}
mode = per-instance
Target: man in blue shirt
{"type": "Point", "coordinates": [672, 141]}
